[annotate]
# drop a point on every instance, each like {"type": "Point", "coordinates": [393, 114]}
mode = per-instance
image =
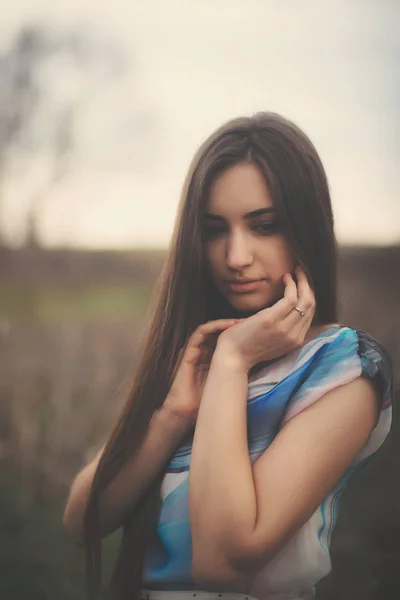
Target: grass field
{"type": "Point", "coordinates": [37, 561]}
{"type": "Point", "coordinates": [49, 304]}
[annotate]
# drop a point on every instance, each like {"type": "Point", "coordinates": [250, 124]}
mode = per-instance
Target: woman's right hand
{"type": "Point", "coordinates": [275, 331]}
{"type": "Point", "coordinates": [194, 362]}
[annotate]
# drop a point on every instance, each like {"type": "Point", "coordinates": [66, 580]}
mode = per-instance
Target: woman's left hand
{"type": "Point", "coordinates": [274, 331]}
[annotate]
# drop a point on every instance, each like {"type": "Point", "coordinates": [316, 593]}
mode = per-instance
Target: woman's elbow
{"type": "Point", "coordinates": [229, 569]}
{"type": "Point", "coordinates": [216, 574]}
{"type": "Point", "coordinates": [73, 524]}
{"type": "Point", "coordinates": [74, 513]}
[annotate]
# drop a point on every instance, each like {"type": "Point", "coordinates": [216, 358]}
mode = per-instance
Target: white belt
{"type": "Point", "coordinates": [204, 595]}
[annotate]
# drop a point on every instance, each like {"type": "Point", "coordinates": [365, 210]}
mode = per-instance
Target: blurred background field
{"type": "Point", "coordinates": [101, 110]}
{"type": "Point", "coordinates": [69, 334]}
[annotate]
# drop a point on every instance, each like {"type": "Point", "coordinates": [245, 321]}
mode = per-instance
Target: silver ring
{"type": "Point", "coordinates": [301, 312]}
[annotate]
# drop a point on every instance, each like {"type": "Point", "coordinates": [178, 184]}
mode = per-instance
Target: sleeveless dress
{"type": "Point", "coordinates": [276, 394]}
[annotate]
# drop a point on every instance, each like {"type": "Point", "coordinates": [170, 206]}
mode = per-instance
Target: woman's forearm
{"type": "Point", "coordinates": [166, 432]}
{"type": "Point", "coordinates": [222, 497]}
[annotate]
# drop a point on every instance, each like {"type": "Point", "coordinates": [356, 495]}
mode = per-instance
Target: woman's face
{"type": "Point", "coordinates": [243, 241]}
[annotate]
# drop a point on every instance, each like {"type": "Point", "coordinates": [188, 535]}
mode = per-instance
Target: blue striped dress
{"type": "Point", "coordinates": [276, 394]}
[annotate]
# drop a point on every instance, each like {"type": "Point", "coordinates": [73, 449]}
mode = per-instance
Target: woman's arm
{"type": "Point", "coordinates": [243, 514]}
{"type": "Point", "coordinates": [166, 431]}
{"type": "Point", "coordinates": [168, 427]}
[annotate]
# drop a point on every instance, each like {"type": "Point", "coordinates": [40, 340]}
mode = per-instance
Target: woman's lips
{"type": "Point", "coordinates": [245, 288]}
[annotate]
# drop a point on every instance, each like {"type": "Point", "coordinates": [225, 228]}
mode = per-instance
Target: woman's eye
{"type": "Point", "coordinates": [210, 232]}
{"type": "Point", "coordinates": [267, 227]}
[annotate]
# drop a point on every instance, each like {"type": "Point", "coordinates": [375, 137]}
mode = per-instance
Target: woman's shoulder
{"type": "Point", "coordinates": [376, 364]}
{"type": "Point", "coordinates": [328, 343]}
{"type": "Point", "coordinates": [335, 338]}
{"type": "Point", "coordinates": [335, 356]}
{"type": "Point", "coordinates": [321, 341]}
{"type": "Point", "coordinates": [332, 354]}
{"type": "Point", "coordinates": [340, 348]}
{"type": "Point", "coordinates": [329, 333]}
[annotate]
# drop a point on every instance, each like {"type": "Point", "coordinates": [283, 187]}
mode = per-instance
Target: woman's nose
{"type": "Point", "coordinates": [239, 253]}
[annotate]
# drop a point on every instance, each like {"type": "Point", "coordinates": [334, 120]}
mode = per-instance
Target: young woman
{"type": "Point", "coordinates": [251, 405]}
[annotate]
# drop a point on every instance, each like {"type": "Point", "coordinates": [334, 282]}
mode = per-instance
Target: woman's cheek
{"type": "Point", "coordinates": [214, 259]}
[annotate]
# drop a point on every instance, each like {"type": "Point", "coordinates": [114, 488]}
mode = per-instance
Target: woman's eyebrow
{"type": "Point", "coordinates": [249, 215]}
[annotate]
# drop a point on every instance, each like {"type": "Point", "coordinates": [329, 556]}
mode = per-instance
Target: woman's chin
{"type": "Point", "coordinates": [248, 304]}
{"type": "Point", "coordinates": [225, 305]}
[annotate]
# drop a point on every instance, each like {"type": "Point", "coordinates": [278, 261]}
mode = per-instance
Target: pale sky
{"type": "Point", "coordinates": [330, 66]}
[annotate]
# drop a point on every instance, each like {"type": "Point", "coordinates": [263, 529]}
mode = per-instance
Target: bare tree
{"type": "Point", "coordinates": [25, 94]}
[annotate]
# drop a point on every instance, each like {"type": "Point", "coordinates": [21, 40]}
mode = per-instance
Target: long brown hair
{"type": "Point", "coordinates": [185, 298]}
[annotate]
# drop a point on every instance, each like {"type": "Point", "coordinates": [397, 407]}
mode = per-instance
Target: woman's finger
{"type": "Point", "coordinates": [285, 305]}
{"type": "Point", "coordinates": [306, 299]}
{"type": "Point", "coordinates": [299, 319]}
{"type": "Point", "coordinates": [202, 342]}
{"type": "Point", "coordinates": [200, 334]}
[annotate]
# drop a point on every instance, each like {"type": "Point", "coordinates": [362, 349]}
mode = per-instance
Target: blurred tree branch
{"type": "Point", "coordinates": [45, 79]}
